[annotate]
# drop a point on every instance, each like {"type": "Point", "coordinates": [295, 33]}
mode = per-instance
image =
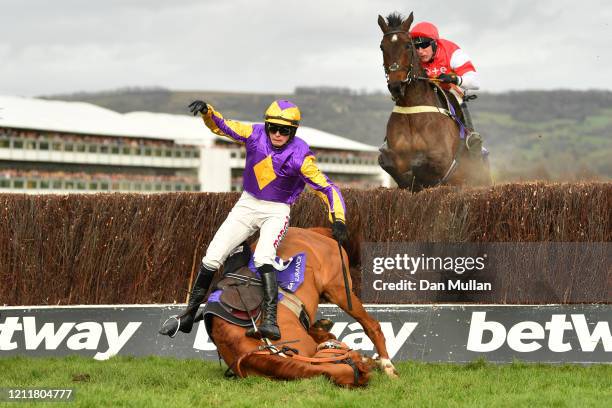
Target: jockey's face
{"type": "Point", "coordinates": [425, 54]}
{"type": "Point", "coordinates": [279, 135]}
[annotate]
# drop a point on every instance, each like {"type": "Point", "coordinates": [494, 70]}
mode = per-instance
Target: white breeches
{"type": "Point", "coordinates": [249, 215]}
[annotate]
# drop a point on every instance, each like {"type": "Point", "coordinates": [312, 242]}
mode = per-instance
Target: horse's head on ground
{"type": "Point", "coordinates": [400, 59]}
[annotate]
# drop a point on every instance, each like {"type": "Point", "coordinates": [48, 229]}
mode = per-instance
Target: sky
{"type": "Point", "coordinates": [63, 46]}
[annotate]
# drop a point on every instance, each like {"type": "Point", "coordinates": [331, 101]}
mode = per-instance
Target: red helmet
{"type": "Point", "coordinates": [426, 30]}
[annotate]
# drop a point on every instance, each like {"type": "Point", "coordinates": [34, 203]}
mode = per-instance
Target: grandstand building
{"type": "Point", "coordinates": [61, 147]}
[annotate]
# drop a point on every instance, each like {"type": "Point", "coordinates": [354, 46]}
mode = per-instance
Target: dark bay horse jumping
{"type": "Point", "coordinates": [425, 146]}
{"type": "Point", "coordinates": [323, 278]}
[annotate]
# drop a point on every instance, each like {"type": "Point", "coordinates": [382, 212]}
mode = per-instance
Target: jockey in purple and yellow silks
{"type": "Point", "coordinates": [278, 166]}
{"type": "Point", "coordinates": [272, 173]}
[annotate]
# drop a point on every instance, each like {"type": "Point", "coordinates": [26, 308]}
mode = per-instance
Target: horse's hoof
{"type": "Point", "coordinates": [324, 324]}
{"type": "Point", "coordinates": [392, 372]}
{"type": "Point", "coordinates": [387, 367]}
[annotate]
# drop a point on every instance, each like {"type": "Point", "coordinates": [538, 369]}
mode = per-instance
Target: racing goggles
{"type": "Point", "coordinates": [283, 130]}
{"type": "Point", "coordinates": [422, 42]}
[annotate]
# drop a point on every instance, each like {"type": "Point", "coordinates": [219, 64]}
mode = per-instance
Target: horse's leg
{"type": "Point", "coordinates": [291, 369]}
{"type": "Point", "coordinates": [232, 344]}
{"type": "Point", "coordinates": [337, 294]}
{"type": "Point", "coordinates": [387, 163]}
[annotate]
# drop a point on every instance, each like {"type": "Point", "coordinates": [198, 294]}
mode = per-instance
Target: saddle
{"type": "Point", "coordinates": [241, 290]}
{"type": "Point", "coordinates": [238, 296]}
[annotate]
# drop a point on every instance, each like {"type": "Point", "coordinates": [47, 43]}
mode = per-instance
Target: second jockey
{"type": "Point", "coordinates": [446, 62]}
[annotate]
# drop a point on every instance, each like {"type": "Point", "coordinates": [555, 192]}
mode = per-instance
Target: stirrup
{"type": "Point", "coordinates": [178, 325]}
{"type": "Point", "coordinates": [473, 141]}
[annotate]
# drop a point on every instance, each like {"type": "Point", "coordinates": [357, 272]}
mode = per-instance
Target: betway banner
{"type": "Point", "coordinates": [435, 333]}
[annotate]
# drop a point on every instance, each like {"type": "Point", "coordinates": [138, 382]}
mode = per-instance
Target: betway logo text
{"type": "Point", "coordinates": [354, 337]}
{"type": "Point", "coordinates": [523, 336]}
{"type": "Point", "coordinates": [77, 336]}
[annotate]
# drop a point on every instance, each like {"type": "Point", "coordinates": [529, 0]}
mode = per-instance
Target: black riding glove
{"type": "Point", "coordinates": [340, 232]}
{"type": "Point", "coordinates": [198, 107]}
{"type": "Point", "coordinates": [448, 79]}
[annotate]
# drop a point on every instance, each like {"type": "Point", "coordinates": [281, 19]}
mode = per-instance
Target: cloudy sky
{"type": "Point", "coordinates": [63, 46]}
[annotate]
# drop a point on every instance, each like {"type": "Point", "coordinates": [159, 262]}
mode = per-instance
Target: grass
{"type": "Point", "coordinates": [167, 382]}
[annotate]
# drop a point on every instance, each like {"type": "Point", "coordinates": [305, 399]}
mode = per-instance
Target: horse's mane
{"type": "Point", "coordinates": [395, 20]}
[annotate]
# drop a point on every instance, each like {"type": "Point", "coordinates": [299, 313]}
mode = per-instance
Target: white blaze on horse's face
{"type": "Point", "coordinates": [394, 38]}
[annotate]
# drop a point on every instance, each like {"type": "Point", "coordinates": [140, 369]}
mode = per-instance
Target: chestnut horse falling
{"type": "Point", "coordinates": [303, 350]}
{"type": "Point", "coordinates": [425, 144]}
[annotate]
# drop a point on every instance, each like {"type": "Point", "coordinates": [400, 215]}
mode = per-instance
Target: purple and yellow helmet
{"type": "Point", "coordinates": [283, 112]}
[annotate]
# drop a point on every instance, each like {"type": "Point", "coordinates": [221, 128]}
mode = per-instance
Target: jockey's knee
{"type": "Point", "coordinates": [265, 253]}
{"type": "Point", "coordinates": [211, 263]}
{"type": "Point", "coordinates": [259, 261]}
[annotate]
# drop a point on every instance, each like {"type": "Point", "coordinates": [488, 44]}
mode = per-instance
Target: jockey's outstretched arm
{"type": "Point", "coordinates": [237, 131]}
{"type": "Point", "coordinates": [324, 188]}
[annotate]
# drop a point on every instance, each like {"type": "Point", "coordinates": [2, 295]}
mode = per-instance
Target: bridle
{"type": "Point", "coordinates": [396, 66]}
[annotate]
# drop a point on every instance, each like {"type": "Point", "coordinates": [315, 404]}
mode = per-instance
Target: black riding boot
{"type": "Point", "coordinates": [473, 140]}
{"type": "Point", "coordinates": [184, 321]}
{"type": "Point", "coordinates": [268, 327]}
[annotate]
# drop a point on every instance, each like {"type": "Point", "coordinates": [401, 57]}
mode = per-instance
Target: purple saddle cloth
{"type": "Point", "coordinates": [289, 273]}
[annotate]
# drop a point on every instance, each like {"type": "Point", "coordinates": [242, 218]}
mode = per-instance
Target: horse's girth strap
{"type": "Point", "coordinates": [292, 302]}
{"type": "Point", "coordinates": [409, 110]}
